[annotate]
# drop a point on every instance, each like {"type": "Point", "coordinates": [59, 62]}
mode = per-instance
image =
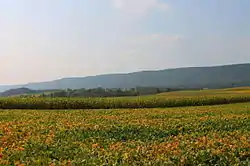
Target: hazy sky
{"type": "Point", "coordinates": [48, 39]}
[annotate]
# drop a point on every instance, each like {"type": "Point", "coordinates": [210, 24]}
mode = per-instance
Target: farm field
{"type": "Point", "coordinates": [208, 92]}
{"type": "Point", "coordinates": [163, 100]}
{"type": "Point", "coordinates": [205, 135]}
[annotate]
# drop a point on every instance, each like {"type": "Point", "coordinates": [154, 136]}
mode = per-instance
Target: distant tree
{"type": "Point", "coordinates": [158, 90]}
{"type": "Point", "coordinates": [60, 94]}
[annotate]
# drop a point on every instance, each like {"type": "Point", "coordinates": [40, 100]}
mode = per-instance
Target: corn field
{"type": "Point", "coordinates": [122, 102]}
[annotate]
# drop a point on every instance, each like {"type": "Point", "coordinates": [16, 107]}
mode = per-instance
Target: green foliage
{"type": "Point", "coordinates": [101, 92]}
{"type": "Point", "coordinates": [119, 102]}
{"type": "Point", "coordinates": [208, 135]}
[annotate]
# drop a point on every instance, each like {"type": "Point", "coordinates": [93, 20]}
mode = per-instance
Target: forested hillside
{"type": "Point", "coordinates": [193, 77]}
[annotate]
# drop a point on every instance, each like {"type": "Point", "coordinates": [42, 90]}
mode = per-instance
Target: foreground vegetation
{"type": "Point", "coordinates": [205, 135]}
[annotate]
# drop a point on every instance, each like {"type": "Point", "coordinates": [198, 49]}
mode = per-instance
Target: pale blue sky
{"type": "Point", "coordinates": [44, 40]}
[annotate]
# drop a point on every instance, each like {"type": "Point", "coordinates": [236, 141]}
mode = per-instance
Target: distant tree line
{"type": "Point", "coordinates": [103, 92]}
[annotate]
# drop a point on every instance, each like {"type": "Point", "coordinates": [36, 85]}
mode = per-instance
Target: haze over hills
{"type": "Point", "coordinates": [191, 77]}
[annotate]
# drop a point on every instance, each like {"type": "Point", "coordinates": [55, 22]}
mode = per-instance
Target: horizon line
{"type": "Point", "coordinates": [124, 73]}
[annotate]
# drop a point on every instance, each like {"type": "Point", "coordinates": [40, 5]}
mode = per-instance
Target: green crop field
{"type": "Point", "coordinates": [194, 135]}
{"type": "Point", "coordinates": [176, 136]}
{"type": "Point", "coordinates": [170, 99]}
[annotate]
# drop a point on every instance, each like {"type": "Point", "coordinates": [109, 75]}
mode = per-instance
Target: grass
{"type": "Point", "coordinates": [205, 135]}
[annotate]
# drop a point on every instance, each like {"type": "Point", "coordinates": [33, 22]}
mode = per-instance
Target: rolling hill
{"type": "Point", "coordinates": [18, 91]}
{"type": "Point", "coordinates": [191, 77]}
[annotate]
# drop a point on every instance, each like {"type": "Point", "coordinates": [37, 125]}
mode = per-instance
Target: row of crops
{"type": "Point", "coordinates": [115, 103]}
{"type": "Point", "coordinates": [209, 135]}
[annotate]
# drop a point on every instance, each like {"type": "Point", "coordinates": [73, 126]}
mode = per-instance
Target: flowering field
{"type": "Point", "coordinates": [206, 135]}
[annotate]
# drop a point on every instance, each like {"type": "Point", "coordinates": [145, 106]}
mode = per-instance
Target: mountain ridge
{"type": "Point", "coordinates": [208, 76]}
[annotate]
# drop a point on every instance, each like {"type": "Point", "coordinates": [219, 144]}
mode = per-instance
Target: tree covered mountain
{"type": "Point", "coordinates": [191, 77]}
{"type": "Point", "coordinates": [18, 91]}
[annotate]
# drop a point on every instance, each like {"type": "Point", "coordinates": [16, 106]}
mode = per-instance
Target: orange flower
{"type": "Point", "coordinates": [69, 163]}
{"type": "Point", "coordinates": [20, 148]}
{"type": "Point", "coordinates": [95, 145]}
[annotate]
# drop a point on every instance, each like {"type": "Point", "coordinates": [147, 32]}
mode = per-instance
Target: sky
{"type": "Point", "coordinates": [44, 40]}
